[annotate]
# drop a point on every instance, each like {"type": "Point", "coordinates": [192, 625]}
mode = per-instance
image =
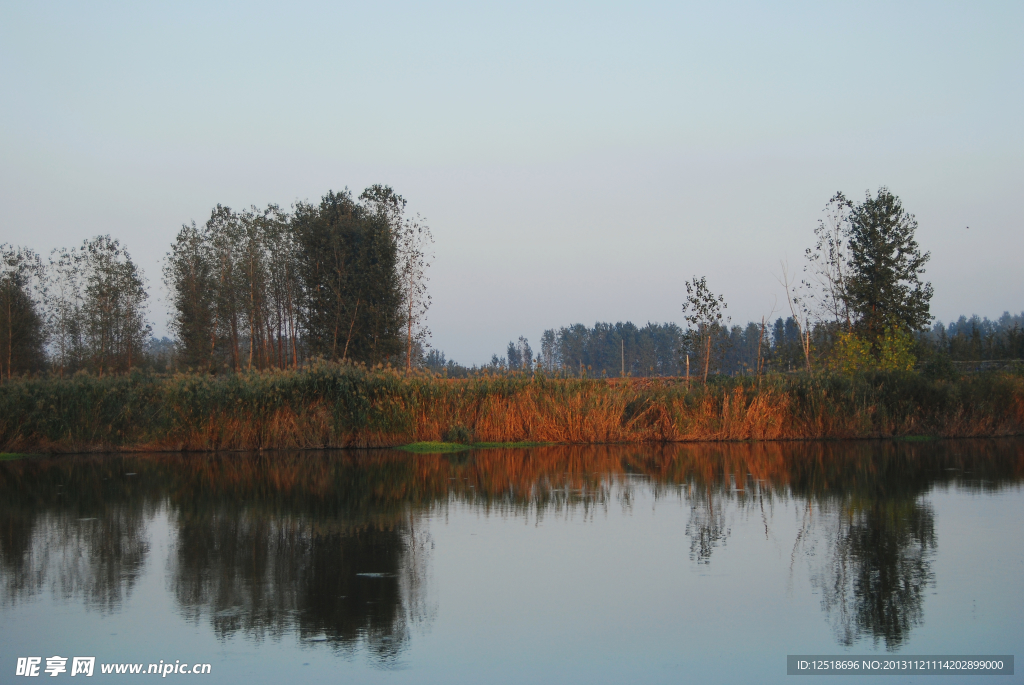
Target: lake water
{"type": "Point", "coordinates": [608, 564]}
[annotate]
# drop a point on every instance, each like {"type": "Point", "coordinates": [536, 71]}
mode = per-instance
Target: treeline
{"type": "Point", "coordinates": [979, 339]}
{"type": "Point", "coordinates": [662, 349]}
{"type": "Point", "coordinates": [860, 305]}
{"type": "Point", "coordinates": [623, 349]}
{"type": "Point", "coordinates": [612, 350]}
{"type": "Point", "coordinates": [342, 279]}
{"type": "Point", "coordinates": [85, 308]}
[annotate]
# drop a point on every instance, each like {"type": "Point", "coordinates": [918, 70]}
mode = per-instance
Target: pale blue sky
{"type": "Point", "coordinates": [577, 162]}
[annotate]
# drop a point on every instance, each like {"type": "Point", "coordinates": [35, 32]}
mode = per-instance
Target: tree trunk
{"type": "Point", "coordinates": [408, 352]}
{"type": "Point", "coordinates": [350, 327]}
{"type": "Point", "coordinates": [707, 359]}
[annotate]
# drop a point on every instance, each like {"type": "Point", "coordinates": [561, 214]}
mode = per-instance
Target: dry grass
{"type": "Point", "coordinates": [347, 406]}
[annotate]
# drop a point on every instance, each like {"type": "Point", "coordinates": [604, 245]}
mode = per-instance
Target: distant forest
{"type": "Point", "coordinates": [608, 349]}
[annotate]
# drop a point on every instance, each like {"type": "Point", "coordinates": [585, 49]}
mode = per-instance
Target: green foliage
{"type": "Point", "coordinates": [703, 312]}
{"type": "Point", "coordinates": [96, 308]}
{"type": "Point", "coordinates": [849, 355]}
{"type": "Point", "coordinates": [896, 350]}
{"type": "Point", "coordinates": [884, 287]}
{"type": "Point", "coordinates": [352, 305]}
{"type": "Point", "coordinates": [22, 333]}
{"type": "Point", "coordinates": [115, 306]}
{"type": "Point", "coordinates": [458, 433]}
{"type": "Point", "coordinates": [189, 272]}
{"type": "Point", "coordinates": [262, 288]}
{"type": "Point", "coordinates": [852, 354]}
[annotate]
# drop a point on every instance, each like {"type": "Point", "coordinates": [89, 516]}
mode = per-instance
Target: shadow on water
{"type": "Point", "coordinates": [334, 547]}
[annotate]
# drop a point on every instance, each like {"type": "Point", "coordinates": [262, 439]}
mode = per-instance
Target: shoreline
{"type": "Point", "coordinates": [436, 448]}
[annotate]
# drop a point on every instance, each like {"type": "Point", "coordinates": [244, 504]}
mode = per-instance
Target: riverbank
{"type": "Point", "coordinates": [330, 405]}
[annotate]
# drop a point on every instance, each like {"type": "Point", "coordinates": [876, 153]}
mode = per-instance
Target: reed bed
{"type": "Point", "coordinates": [332, 405]}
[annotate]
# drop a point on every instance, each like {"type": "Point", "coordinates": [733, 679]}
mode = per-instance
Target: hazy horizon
{"type": "Point", "coordinates": [576, 163]}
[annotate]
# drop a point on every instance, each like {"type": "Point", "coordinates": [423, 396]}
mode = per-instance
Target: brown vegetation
{"type": "Point", "coordinates": [330, 405]}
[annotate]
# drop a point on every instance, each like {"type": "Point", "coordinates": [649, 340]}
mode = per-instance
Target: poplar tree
{"type": "Point", "coordinates": [189, 274]}
{"type": "Point", "coordinates": [114, 307]}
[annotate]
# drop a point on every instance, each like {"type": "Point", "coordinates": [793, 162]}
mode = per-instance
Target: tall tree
{"type": "Point", "coordinates": [189, 274]}
{"type": "Point", "coordinates": [64, 302]}
{"type": "Point", "coordinates": [828, 263]}
{"type": "Point", "coordinates": [22, 334]}
{"type": "Point", "coordinates": [347, 257]}
{"type": "Point", "coordinates": [412, 238]}
{"type": "Point", "coordinates": [885, 267]}
{"type": "Point", "coordinates": [283, 283]}
{"type": "Point", "coordinates": [115, 306]}
{"type": "Point", "coordinates": [224, 233]}
{"type": "Point", "coordinates": [414, 243]}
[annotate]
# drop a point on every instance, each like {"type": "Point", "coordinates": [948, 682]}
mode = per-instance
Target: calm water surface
{"type": "Point", "coordinates": [558, 564]}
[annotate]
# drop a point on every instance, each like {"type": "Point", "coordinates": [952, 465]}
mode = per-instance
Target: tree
{"type": "Point", "coordinates": [548, 351]}
{"type": "Point", "coordinates": [414, 241]}
{"type": "Point", "coordinates": [800, 311]}
{"type": "Point", "coordinates": [515, 359]}
{"type": "Point", "coordinates": [64, 299]}
{"type": "Point", "coordinates": [703, 312]}
{"type": "Point", "coordinates": [223, 235]}
{"type": "Point", "coordinates": [828, 263]}
{"type": "Point", "coordinates": [412, 238]}
{"type": "Point", "coordinates": [189, 274]}
{"type": "Point", "coordinates": [22, 335]}
{"type": "Point", "coordinates": [347, 261]}
{"type": "Point", "coordinates": [884, 288]}
{"type": "Point", "coordinates": [114, 307]}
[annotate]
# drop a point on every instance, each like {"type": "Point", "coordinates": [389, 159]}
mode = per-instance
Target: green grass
{"type": "Point", "coordinates": [918, 438]}
{"type": "Point", "coordinates": [12, 456]}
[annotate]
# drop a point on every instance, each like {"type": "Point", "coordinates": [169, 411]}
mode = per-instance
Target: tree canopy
{"type": "Point", "coordinates": [884, 287]}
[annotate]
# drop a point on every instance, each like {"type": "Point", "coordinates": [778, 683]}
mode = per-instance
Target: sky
{"type": "Point", "coordinates": [576, 162]}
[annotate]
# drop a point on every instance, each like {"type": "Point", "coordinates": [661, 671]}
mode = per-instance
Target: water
{"type": "Point", "coordinates": [562, 564]}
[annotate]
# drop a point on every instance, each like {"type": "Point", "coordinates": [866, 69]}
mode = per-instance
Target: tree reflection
{"type": "Point", "coordinates": [324, 580]}
{"type": "Point", "coordinates": [877, 570]}
{"type": "Point", "coordinates": [707, 528]}
{"type": "Point", "coordinates": [333, 547]}
{"type": "Point", "coordinates": [55, 538]}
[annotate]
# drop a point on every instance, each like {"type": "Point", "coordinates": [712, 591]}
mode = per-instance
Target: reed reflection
{"type": "Point", "coordinates": [334, 547]}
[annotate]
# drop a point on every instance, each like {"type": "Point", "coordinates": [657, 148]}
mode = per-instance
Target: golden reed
{"type": "Point", "coordinates": [330, 405]}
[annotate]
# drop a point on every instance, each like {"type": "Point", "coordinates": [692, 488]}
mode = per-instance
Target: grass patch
{"type": "Point", "coordinates": [918, 438]}
{"type": "Point", "coordinates": [435, 447]}
{"type": "Point", "coordinates": [12, 456]}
